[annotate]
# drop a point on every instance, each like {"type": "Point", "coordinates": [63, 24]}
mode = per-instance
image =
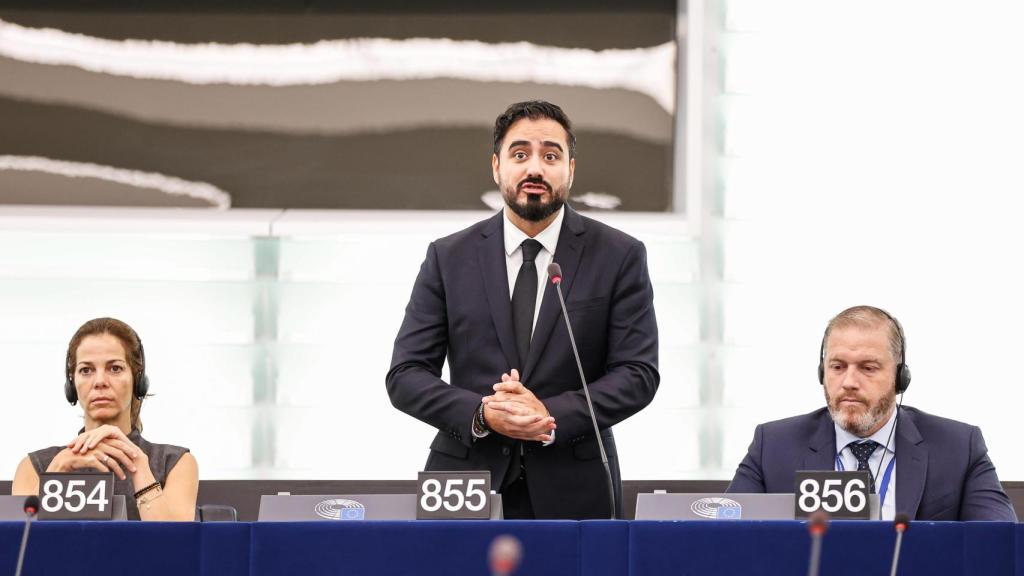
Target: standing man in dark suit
{"type": "Point", "coordinates": [482, 300]}
{"type": "Point", "coordinates": [942, 465]}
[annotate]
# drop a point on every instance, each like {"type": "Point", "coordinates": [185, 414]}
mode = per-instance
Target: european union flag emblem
{"type": "Point", "coordinates": [353, 513]}
{"type": "Point", "coordinates": [730, 513]}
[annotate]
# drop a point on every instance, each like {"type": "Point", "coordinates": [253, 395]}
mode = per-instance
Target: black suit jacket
{"type": "Point", "coordinates": [461, 309]}
{"type": "Point", "coordinates": [943, 471]}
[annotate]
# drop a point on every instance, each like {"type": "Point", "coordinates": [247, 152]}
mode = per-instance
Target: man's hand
{"type": "Point", "coordinates": [514, 411]}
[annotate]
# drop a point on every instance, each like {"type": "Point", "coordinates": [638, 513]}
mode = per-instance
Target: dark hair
{"type": "Point", "coordinates": [534, 110]}
{"type": "Point", "coordinates": [132, 351]}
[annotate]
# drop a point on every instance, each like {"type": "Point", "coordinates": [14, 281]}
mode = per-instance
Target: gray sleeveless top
{"type": "Point", "coordinates": [162, 457]}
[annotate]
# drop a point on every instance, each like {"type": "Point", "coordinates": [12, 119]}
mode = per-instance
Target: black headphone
{"type": "Point", "coordinates": [902, 370]}
{"type": "Point", "coordinates": [140, 382]}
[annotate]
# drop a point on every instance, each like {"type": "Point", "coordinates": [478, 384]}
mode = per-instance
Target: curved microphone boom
{"type": "Point", "coordinates": [555, 273]}
{"type": "Point", "coordinates": [817, 525]}
{"type": "Point", "coordinates": [31, 507]}
{"type": "Point", "coordinates": [901, 523]}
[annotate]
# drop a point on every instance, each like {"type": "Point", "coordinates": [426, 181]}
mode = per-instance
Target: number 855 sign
{"type": "Point", "coordinates": [841, 494]}
{"type": "Point", "coordinates": [444, 495]}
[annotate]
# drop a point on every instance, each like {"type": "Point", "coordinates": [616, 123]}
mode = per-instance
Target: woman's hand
{"type": "Point", "coordinates": [108, 447]}
{"type": "Point", "coordinates": [89, 439]}
{"type": "Point", "coordinates": [68, 461]}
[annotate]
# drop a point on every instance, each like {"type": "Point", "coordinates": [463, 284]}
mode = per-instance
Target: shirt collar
{"type": "Point", "coordinates": [548, 237]}
{"type": "Point", "coordinates": [843, 438]}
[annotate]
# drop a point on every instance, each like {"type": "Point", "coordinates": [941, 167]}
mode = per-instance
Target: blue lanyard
{"type": "Point", "coordinates": [885, 477]}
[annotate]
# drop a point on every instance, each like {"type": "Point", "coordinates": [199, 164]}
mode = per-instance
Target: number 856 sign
{"type": "Point", "coordinates": [841, 494]}
{"type": "Point", "coordinates": [444, 495]}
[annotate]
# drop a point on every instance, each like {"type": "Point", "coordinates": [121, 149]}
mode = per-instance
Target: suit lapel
{"type": "Point", "coordinates": [568, 254]}
{"type": "Point", "coordinates": [821, 447]}
{"type": "Point", "coordinates": [911, 465]}
{"type": "Point", "coordinates": [491, 255]}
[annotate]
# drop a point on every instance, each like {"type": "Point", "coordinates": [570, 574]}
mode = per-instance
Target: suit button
{"type": "Point", "coordinates": [505, 451]}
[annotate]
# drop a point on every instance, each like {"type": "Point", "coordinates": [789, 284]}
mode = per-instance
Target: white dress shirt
{"type": "Point", "coordinates": [883, 454]}
{"type": "Point", "coordinates": [514, 238]}
{"type": "Point", "coordinates": [548, 239]}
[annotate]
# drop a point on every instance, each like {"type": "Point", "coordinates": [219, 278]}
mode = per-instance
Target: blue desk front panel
{"type": "Point", "coordinates": [421, 548]}
{"type": "Point", "coordinates": [424, 548]}
{"type": "Point", "coordinates": [126, 548]}
{"type": "Point", "coordinates": [849, 548]}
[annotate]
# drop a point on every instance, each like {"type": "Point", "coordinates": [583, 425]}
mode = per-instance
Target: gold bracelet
{"type": "Point", "coordinates": [148, 497]}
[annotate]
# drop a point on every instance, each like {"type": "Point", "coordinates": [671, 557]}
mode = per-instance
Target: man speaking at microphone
{"type": "Point", "coordinates": [482, 299]}
{"type": "Point", "coordinates": [942, 466]}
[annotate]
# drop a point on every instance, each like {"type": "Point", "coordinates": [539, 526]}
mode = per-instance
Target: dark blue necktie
{"type": "Point", "coordinates": [862, 451]}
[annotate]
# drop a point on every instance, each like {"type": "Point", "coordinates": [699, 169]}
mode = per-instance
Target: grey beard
{"type": "Point", "coordinates": [861, 425]}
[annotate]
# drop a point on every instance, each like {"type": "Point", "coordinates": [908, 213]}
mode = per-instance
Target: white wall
{"type": "Point", "coordinates": [872, 154]}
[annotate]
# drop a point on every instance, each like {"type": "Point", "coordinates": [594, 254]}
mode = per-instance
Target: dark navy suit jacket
{"type": "Point", "coordinates": [943, 471]}
{"type": "Point", "coordinates": [461, 309]}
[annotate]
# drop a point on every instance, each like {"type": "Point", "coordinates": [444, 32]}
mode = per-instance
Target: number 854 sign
{"type": "Point", "coordinates": [75, 496]}
{"type": "Point", "coordinates": [841, 494]}
{"type": "Point", "coordinates": [448, 495]}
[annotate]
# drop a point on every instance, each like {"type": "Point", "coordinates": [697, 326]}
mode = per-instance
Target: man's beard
{"type": "Point", "coordinates": [534, 210]}
{"type": "Point", "coordinates": [861, 424]}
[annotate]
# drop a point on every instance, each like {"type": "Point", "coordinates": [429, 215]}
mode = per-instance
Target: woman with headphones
{"type": "Point", "coordinates": [106, 372]}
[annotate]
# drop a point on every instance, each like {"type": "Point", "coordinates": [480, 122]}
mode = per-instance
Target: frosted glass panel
{"type": "Point", "coordinates": [738, 430]}
{"type": "Point", "coordinates": [267, 355]}
{"type": "Point", "coordinates": [220, 438]}
{"type": "Point", "coordinates": [376, 257]}
{"type": "Point", "coordinates": [124, 256]}
{"type": "Point", "coordinates": [681, 368]}
{"type": "Point", "coordinates": [676, 434]}
{"type": "Point", "coordinates": [220, 375]}
{"type": "Point", "coordinates": [339, 439]}
{"type": "Point", "coordinates": [34, 378]}
{"type": "Point", "coordinates": [187, 285]}
{"type": "Point", "coordinates": [354, 315]}
{"type": "Point", "coordinates": [159, 311]}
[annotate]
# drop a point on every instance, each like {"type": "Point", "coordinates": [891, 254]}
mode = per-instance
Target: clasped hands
{"type": "Point", "coordinates": [514, 411]}
{"type": "Point", "coordinates": [106, 449]}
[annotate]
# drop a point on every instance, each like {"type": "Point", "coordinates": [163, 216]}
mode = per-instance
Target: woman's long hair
{"type": "Point", "coordinates": [133, 351]}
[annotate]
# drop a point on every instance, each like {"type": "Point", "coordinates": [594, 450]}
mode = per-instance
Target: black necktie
{"type": "Point", "coordinates": [524, 300]}
{"type": "Point", "coordinates": [862, 451]}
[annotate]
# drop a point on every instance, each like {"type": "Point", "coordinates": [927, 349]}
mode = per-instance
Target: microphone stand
{"type": "Point", "coordinates": [31, 505]}
{"type": "Point", "coordinates": [555, 271]}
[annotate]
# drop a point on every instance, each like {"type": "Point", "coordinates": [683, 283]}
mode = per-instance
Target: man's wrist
{"type": "Point", "coordinates": [480, 427]}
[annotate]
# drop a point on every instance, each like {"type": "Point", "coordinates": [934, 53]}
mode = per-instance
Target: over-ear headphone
{"type": "Point", "coordinates": [140, 382]}
{"type": "Point", "coordinates": [902, 370]}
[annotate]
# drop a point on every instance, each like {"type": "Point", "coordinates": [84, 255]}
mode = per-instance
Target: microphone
{"type": "Point", "coordinates": [901, 524]}
{"type": "Point", "coordinates": [555, 272]}
{"type": "Point", "coordinates": [817, 525]}
{"type": "Point", "coordinates": [504, 555]}
{"type": "Point", "coordinates": [31, 507]}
